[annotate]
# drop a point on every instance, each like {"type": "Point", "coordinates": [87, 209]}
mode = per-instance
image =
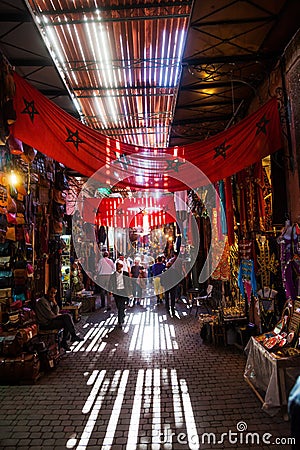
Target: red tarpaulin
{"type": "Point", "coordinates": [129, 212]}
{"type": "Point", "coordinates": [46, 127]}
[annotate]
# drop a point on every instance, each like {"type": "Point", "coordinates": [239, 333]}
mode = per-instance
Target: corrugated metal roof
{"type": "Point", "coordinates": [230, 48]}
{"type": "Point", "coordinates": [121, 60]}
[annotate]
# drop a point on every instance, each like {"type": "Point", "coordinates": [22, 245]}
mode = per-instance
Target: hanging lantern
{"type": "Point", "coordinates": [15, 145]}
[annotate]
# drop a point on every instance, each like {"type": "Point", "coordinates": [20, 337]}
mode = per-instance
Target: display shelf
{"type": "Point", "coordinates": [269, 376]}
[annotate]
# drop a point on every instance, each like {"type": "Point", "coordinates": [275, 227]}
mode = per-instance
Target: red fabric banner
{"type": "Point", "coordinates": [46, 127]}
{"type": "Point", "coordinates": [129, 212]}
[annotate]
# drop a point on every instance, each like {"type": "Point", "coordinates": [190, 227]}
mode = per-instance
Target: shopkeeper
{"type": "Point", "coordinates": [48, 317]}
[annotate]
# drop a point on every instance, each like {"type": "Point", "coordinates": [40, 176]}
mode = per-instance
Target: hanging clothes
{"type": "Point", "coordinates": [258, 175]}
{"type": "Point", "coordinates": [247, 279]}
{"type": "Point", "coordinates": [229, 210]}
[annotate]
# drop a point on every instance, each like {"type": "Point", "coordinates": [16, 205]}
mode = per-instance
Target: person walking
{"type": "Point", "coordinates": [125, 264]}
{"type": "Point", "coordinates": [105, 268]}
{"type": "Point", "coordinates": [172, 278]}
{"type": "Point", "coordinates": [137, 275]}
{"type": "Point", "coordinates": [120, 286]}
{"type": "Point", "coordinates": [157, 269]}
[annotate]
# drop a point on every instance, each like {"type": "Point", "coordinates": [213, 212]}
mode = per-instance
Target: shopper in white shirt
{"type": "Point", "coordinates": [120, 286]}
{"type": "Point", "coordinates": [125, 265]}
{"type": "Point", "coordinates": [105, 268]}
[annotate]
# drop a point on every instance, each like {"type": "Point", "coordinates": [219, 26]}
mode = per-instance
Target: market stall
{"type": "Point", "coordinates": [273, 361]}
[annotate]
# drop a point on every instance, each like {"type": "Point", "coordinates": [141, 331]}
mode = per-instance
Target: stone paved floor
{"type": "Point", "coordinates": [133, 388]}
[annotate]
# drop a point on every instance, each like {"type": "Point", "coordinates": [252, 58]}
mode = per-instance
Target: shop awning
{"type": "Point", "coordinates": [129, 212]}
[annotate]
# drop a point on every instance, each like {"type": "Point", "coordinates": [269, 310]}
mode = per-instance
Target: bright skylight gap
{"type": "Point", "coordinates": [98, 106]}
{"type": "Point", "coordinates": [175, 62]}
{"type": "Point", "coordinates": [168, 63]}
{"type": "Point", "coordinates": [145, 66]}
{"type": "Point", "coordinates": [82, 52]}
{"type": "Point", "coordinates": [162, 57]}
{"type": "Point", "coordinates": [53, 44]}
{"type": "Point", "coordinates": [150, 65]}
{"type": "Point", "coordinates": [157, 46]}
{"type": "Point", "coordinates": [104, 82]}
{"type": "Point", "coordinates": [123, 72]}
{"type": "Point", "coordinates": [180, 49]}
{"type": "Point", "coordinates": [114, 106]}
{"type": "Point", "coordinates": [106, 56]}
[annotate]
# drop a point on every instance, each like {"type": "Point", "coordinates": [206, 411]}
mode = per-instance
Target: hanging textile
{"type": "Point", "coordinates": [258, 175]}
{"type": "Point", "coordinates": [223, 203]}
{"type": "Point", "coordinates": [289, 242]}
{"type": "Point", "coordinates": [267, 262]}
{"type": "Point", "coordinates": [229, 210]}
{"type": "Point", "coordinates": [219, 247]}
{"type": "Point", "coordinates": [222, 271]}
{"type": "Point", "coordinates": [46, 127]}
{"type": "Point", "coordinates": [246, 279]}
{"type": "Point", "coordinates": [129, 212]}
{"type": "Point", "coordinates": [181, 206]}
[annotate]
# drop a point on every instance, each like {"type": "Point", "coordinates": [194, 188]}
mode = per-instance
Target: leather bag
{"type": "Point", "coordinates": [25, 367]}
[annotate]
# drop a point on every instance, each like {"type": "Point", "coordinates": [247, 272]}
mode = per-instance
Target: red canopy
{"type": "Point", "coordinates": [129, 212]}
{"type": "Point", "coordinates": [46, 127]}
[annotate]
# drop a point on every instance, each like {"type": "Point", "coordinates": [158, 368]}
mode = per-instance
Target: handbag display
{"type": "Point", "coordinates": [29, 153]}
{"type": "Point", "coordinates": [3, 222]}
{"type": "Point", "coordinates": [57, 227]}
{"type": "Point", "coordinates": [20, 219]}
{"type": "Point", "coordinates": [25, 367]}
{"type": "Point", "coordinates": [59, 196]}
{"type": "Point", "coordinates": [58, 211]}
{"type": "Point", "coordinates": [5, 262]}
{"type": "Point", "coordinates": [5, 278]}
{"type": "Point", "coordinates": [11, 205]}
{"type": "Point", "coordinates": [11, 218]}
{"type": "Point", "coordinates": [27, 316]}
{"type": "Point", "coordinates": [13, 321]}
{"type": "Point", "coordinates": [61, 181]}
{"type": "Point", "coordinates": [11, 233]}
{"type": "Point", "coordinates": [11, 344]}
{"type": "Point", "coordinates": [5, 249]}
{"type": "Point", "coordinates": [3, 199]}
{"type": "Point", "coordinates": [28, 332]}
{"type": "Point", "coordinates": [5, 297]}
{"type": "Point", "coordinates": [43, 195]}
{"type": "Point", "coordinates": [20, 277]}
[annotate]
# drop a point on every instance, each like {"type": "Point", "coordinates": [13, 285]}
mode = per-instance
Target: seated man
{"type": "Point", "coordinates": [48, 317]}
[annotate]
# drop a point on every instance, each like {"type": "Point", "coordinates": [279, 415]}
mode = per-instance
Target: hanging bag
{"type": "Point", "coordinates": [61, 182]}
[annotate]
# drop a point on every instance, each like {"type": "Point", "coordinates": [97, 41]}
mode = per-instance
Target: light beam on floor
{"type": "Point", "coordinates": [192, 435]}
{"type": "Point", "coordinates": [113, 421]}
{"type": "Point", "coordinates": [132, 438]}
